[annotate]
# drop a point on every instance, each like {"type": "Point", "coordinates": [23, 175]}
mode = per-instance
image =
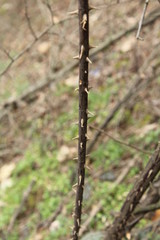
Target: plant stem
{"type": "Point", "coordinates": [83, 13]}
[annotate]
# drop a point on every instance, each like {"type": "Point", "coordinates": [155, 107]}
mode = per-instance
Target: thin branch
{"type": "Point", "coordinates": [133, 91]}
{"type": "Point", "coordinates": [105, 45]}
{"type": "Point", "coordinates": [50, 10]}
{"type": "Point", "coordinates": [60, 74]}
{"type": "Point", "coordinates": [7, 54]}
{"type": "Point", "coordinates": [120, 141]}
{"type": "Point", "coordinates": [46, 223]}
{"type": "Point", "coordinates": [150, 228]}
{"type": "Point", "coordinates": [96, 208]}
{"type": "Point", "coordinates": [19, 209]}
{"type": "Point", "coordinates": [29, 21]}
{"type": "Point", "coordinates": [30, 45]}
{"type": "Point", "coordinates": [147, 209]}
{"type": "Point", "coordinates": [142, 20]}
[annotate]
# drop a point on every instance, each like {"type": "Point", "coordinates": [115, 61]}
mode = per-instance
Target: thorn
{"type": "Point", "coordinates": [73, 12]}
{"type": "Point", "coordinates": [80, 179]}
{"type": "Point", "coordinates": [93, 8]}
{"type": "Point", "coordinates": [84, 21]}
{"type": "Point", "coordinates": [73, 214]}
{"type": "Point", "coordinates": [82, 122]}
{"type": "Point", "coordinates": [88, 167]}
{"type": "Point", "coordinates": [150, 172]}
{"type": "Point", "coordinates": [74, 190]}
{"type": "Point", "coordinates": [76, 158]}
{"type": "Point", "coordinates": [79, 203]}
{"type": "Point", "coordinates": [82, 51]}
{"type": "Point", "coordinates": [80, 82]}
{"type": "Point", "coordinates": [91, 46]}
{"type": "Point", "coordinates": [89, 88]}
{"type": "Point", "coordinates": [76, 89]}
{"type": "Point", "coordinates": [81, 145]}
{"type": "Point", "coordinates": [87, 137]}
{"type": "Point", "coordinates": [88, 60]}
{"type": "Point", "coordinates": [76, 57]}
{"type": "Point", "coordinates": [88, 112]}
{"type": "Point", "coordinates": [71, 228]}
{"type": "Point", "coordinates": [75, 138]}
{"type": "Point", "coordinates": [78, 222]}
{"type": "Point", "coordinates": [75, 185]}
{"type": "Point", "coordinates": [88, 118]}
{"type": "Point", "coordinates": [86, 90]}
{"type": "Point", "coordinates": [131, 207]}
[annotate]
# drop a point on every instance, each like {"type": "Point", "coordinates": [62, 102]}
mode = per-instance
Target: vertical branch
{"type": "Point", "coordinates": [83, 57]}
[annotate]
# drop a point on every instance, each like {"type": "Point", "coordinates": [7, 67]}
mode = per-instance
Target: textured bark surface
{"type": "Point", "coordinates": [117, 230]}
{"type": "Point", "coordinates": [83, 12]}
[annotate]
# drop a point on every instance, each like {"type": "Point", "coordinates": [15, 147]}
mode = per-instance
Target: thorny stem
{"type": "Point", "coordinates": [83, 13]}
{"type": "Point", "coordinates": [117, 230]}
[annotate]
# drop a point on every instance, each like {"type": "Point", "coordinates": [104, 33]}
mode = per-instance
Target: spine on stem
{"type": "Point", "coordinates": [83, 14]}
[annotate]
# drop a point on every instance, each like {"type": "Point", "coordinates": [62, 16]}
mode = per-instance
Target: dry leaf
{"type": "Point", "coordinates": [156, 215]}
{"type": "Point", "coordinates": [146, 129]}
{"type": "Point", "coordinates": [37, 237]}
{"type": "Point", "coordinates": [6, 170]}
{"type": "Point", "coordinates": [127, 44]}
{"type": "Point", "coordinates": [44, 47]}
{"type": "Point", "coordinates": [6, 184]}
{"type": "Point", "coordinates": [65, 153]}
{"type": "Point", "coordinates": [54, 226]}
{"type": "Point", "coordinates": [72, 81]}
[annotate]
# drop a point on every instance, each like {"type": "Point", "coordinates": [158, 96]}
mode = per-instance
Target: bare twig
{"type": "Point", "coordinates": [29, 21]}
{"type": "Point", "coordinates": [125, 171]}
{"type": "Point", "coordinates": [59, 75]}
{"type": "Point", "coordinates": [19, 209]}
{"type": "Point", "coordinates": [149, 20]}
{"type": "Point", "coordinates": [120, 141]}
{"type": "Point", "coordinates": [50, 10]}
{"type": "Point", "coordinates": [96, 208]}
{"type": "Point", "coordinates": [147, 209]}
{"type": "Point", "coordinates": [46, 223]}
{"type": "Point", "coordinates": [141, 20]}
{"type": "Point", "coordinates": [7, 53]}
{"type": "Point", "coordinates": [133, 91]}
{"type": "Point", "coordinates": [151, 227]}
{"type": "Point", "coordinates": [30, 45]}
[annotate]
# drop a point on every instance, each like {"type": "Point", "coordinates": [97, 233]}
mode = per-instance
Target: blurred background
{"type": "Point", "coordinates": [39, 108]}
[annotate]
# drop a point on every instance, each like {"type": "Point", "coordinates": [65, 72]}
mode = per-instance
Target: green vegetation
{"type": "Point", "coordinates": [53, 183]}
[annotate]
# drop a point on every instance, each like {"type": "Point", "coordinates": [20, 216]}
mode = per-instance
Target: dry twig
{"type": "Point", "coordinates": [19, 209]}
{"type": "Point", "coordinates": [142, 20]}
{"type": "Point", "coordinates": [120, 141]}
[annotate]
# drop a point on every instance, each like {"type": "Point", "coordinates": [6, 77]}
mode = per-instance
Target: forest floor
{"type": "Point", "coordinates": [37, 124]}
